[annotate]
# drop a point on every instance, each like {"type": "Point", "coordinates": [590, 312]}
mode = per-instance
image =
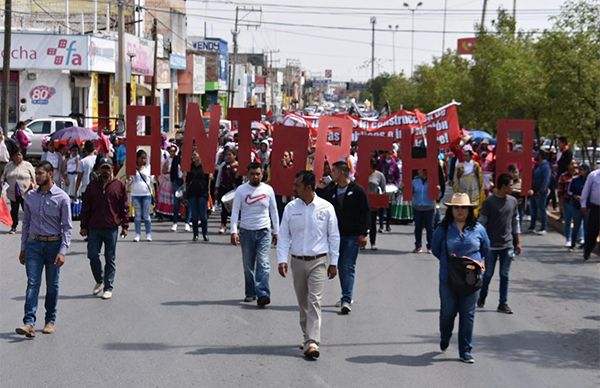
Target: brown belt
{"type": "Point", "coordinates": [309, 258]}
{"type": "Point", "coordinates": [54, 238]}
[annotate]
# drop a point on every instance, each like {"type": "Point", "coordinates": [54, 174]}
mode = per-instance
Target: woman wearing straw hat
{"type": "Point", "coordinates": [469, 178]}
{"type": "Point", "coordinates": [458, 234]}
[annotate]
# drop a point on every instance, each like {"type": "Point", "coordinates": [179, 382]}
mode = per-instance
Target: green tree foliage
{"type": "Point", "coordinates": [569, 56]}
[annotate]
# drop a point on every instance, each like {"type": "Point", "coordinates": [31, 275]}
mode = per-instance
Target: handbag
{"type": "Point", "coordinates": [149, 188]}
{"type": "Point", "coordinates": [465, 275]}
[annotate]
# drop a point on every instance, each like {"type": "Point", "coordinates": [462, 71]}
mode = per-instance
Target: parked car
{"type": "Point", "coordinates": [38, 129]}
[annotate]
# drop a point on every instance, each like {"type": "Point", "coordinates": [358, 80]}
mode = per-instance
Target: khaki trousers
{"type": "Point", "coordinates": [309, 284]}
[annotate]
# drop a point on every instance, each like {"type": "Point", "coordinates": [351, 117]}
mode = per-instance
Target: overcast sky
{"type": "Point", "coordinates": [348, 52]}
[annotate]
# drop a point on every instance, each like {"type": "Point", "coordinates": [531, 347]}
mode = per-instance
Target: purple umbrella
{"type": "Point", "coordinates": [74, 134]}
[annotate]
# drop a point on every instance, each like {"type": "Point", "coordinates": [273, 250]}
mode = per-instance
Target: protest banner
{"type": "Point", "coordinates": [333, 153]}
{"type": "Point", "coordinates": [244, 118]}
{"type": "Point", "coordinates": [429, 163]}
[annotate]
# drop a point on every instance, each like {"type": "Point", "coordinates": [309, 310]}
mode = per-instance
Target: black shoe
{"type": "Point", "coordinates": [195, 238]}
{"type": "Point", "coordinates": [388, 229]}
{"type": "Point", "coordinates": [481, 302]}
{"type": "Point", "coordinates": [586, 256]}
{"type": "Point", "coordinates": [205, 237]}
{"type": "Point", "coordinates": [444, 345]}
{"type": "Point", "coordinates": [380, 230]}
{"type": "Point", "coordinates": [503, 308]}
{"type": "Point", "coordinates": [263, 301]}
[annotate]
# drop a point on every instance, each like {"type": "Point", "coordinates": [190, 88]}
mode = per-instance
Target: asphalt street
{"type": "Point", "coordinates": [177, 320]}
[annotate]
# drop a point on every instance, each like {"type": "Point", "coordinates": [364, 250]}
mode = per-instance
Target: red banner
{"type": "Point", "coordinates": [464, 46]}
{"type": "Point", "coordinates": [5, 216]}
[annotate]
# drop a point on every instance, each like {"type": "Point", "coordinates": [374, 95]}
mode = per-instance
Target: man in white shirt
{"type": "Point", "coordinates": [309, 230]}
{"type": "Point", "coordinates": [256, 202]}
{"type": "Point", "coordinates": [85, 167]}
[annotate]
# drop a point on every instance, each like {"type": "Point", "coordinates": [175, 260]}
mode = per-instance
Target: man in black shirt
{"type": "Point", "coordinates": [352, 210]}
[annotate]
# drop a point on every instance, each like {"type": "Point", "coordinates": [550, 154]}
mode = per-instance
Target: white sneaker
{"type": "Point", "coordinates": [188, 228]}
{"type": "Point", "coordinates": [136, 238]}
{"type": "Point", "coordinates": [98, 288]}
{"type": "Point", "coordinates": [568, 244]}
{"type": "Point", "coordinates": [174, 228]}
{"type": "Point", "coordinates": [148, 237]}
{"type": "Point", "coordinates": [581, 241]}
{"type": "Point", "coordinates": [107, 295]}
{"type": "Point", "coordinates": [339, 303]}
{"type": "Point", "coordinates": [540, 232]}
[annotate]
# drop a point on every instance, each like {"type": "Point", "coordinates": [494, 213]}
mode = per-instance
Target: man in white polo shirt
{"type": "Point", "coordinates": [309, 229]}
{"type": "Point", "coordinates": [256, 202]}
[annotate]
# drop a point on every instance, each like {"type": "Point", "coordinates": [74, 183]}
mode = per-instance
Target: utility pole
{"type": "Point", "coordinates": [394, 29]}
{"type": "Point", "coordinates": [444, 27]}
{"type": "Point", "coordinates": [155, 65]}
{"type": "Point", "coordinates": [515, 13]}
{"type": "Point", "coordinates": [239, 21]}
{"type": "Point", "coordinates": [272, 77]}
{"type": "Point", "coordinates": [373, 21]}
{"type": "Point", "coordinates": [482, 26]}
{"type": "Point", "coordinates": [235, 33]}
{"type": "Point", "coordinates": [412, 33]}
{"type": "Point", "coordinates": [121, 47]}
{"type": "Point", "coordinates": [6, 65]}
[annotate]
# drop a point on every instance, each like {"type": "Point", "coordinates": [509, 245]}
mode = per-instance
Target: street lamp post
{"type": "Point", "coordinates": [412, 31]}
{"type": "Point", "coordinates": [394, 29]}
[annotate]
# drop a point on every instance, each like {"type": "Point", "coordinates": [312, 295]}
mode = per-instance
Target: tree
{"type": "Point", "coordinates": [569, 55]}
{"type": "Point", "coordinates": [400, 93]}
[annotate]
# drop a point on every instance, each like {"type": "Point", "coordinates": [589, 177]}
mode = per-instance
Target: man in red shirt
{"type": "Point", "coordinates": [105, 207]}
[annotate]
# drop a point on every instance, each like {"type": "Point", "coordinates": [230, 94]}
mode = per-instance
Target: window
{"type": "Point", "coordinates": [63, 124]}
{"type": "Point", "coordinates": [40, 127]}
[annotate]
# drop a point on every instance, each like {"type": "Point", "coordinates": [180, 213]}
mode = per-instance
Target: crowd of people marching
{"type": "Point", "coordinates": [319, 231]}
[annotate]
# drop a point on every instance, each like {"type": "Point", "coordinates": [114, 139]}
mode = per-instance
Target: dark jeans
{"type": "Point", "coordinates": [373, 227]}
{"type": "Point", "coordinates": [592, 229]}
{"type": "Point", "coordinates": [579, 224]}
{"type": "Point", "coordinates": [255, 258]}
{"type": "Point", "coordinates": [537, 206]}
{"type": "Point", "coordinates": [505, 256]}
{"type": "Point", "coordinates": [108, 237]}
{"type": "Point", "coordinates": [177, 204]}
{"type": "Point", "coordinates": [347, 265]}
{"type": "Point", "coordinates": [450, 305]}
{"type": "Point", "coordinates": [14, 211]}
{"type": "Point", "coordinates": [388, 217]}
{"type": "Point", "coordinates": [423, 219]}
{"type": "Point", "coordinates": [280, 206]}
{"type": "Point", "coordinates": [198, 207]}
{"type": "Point", "coordinates": [40, 254]}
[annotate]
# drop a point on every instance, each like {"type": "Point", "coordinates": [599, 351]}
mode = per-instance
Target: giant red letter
{"type": "Point", "coordinates": [134, 140]}
{"type": "Point", "coordinates": [429, 163]}
{"type": "Point", "coordinates": [505, 157]}
{"type": "Point", "coordinates": [334, 153]}
{"type": "Point", "coordinates": [293, 140]}
{"type": "Point", "coordinates": [366, 146]}
{"type": "Point", "coordinates": [195, 132]}
{"type": "Point", "coordinates": [244, 118]}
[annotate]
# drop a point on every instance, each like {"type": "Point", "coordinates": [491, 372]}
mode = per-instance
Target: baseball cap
{"type": "Point", "coordinates": [104, 161]}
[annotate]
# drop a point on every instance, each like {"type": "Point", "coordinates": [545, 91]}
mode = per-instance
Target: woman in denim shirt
{"type": "Point", "coordinates": [461, 235]}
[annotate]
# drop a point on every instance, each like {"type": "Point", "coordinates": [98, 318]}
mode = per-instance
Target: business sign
{"type": "Point", "coordinates": [199, 77]}
{"type": "Point", "coordinates": [102, 55]}
{"type": "Point", "coordinates": [328, 73]}
{"type": "Point", "coordinates": [140, 53]}
{"type": "Point", "coordinates": [206, 45]}
{"type": "Point", "coordinates": [44, 51]}
{"type": "Point", "coordinates": [41, 94]}
{"type": "Point", "coordinates": [177, 62]}
{"type": "Point", "coordinates": [465, 46]}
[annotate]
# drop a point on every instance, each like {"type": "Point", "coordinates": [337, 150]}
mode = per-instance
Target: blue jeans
{"type": "Point", "coordinates": [108, 237]}
{"type": "Point", "coordinates": [569, 216]}
{"type": "Point", "coordinates": [505, 256]}
{"type": "Point", "coordinates": [198, 208]}
{"type": "Point", "coordinates": [579, 226]}
{"type": "Point", "coordinates": [255, 257]}
{"type": "Point", "coordinates": [40, 254]}
{"type": "Point", "coordinates": [423, 219]}
{"type": "Point", "coordinates": [141, 207]}
{"type": "Point", "coordinates": [537, 205]}
{"type": "Point", "coordinates": [450, 305]}
{"type": "Point", "coordinates": [177, 204]}
{"type": "Point", "coordinates": [347, 265]}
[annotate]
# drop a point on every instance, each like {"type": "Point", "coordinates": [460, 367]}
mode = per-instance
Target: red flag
{"type": "Point", "coordinates": [5, 217]}
{"type": "Point", "coordinates": [465, 46]}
